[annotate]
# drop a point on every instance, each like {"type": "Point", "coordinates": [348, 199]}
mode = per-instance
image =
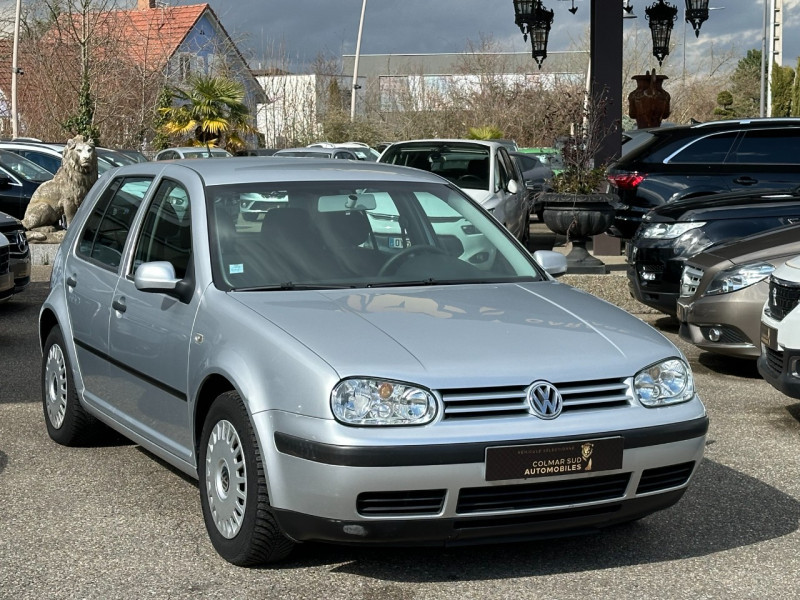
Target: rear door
{"type": "Point", "coordinates": [92, 271]}
{"type": "Point", "coordinates": [766, 159]}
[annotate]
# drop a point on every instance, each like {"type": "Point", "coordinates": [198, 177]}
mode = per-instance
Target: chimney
{"type": "Point", "coordinates": [145, 4]}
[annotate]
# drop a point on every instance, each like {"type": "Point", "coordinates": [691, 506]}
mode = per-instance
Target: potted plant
{"type": "Point", "coordinates": [579, 204]}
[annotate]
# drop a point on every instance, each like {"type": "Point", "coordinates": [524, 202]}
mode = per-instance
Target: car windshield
{"type": "Point", "coordinates": [204, 153]}
{"type": "Point", "coordinates": [24, 168]}
{"type": "Point", "coordinates": [465, 164]}
{"type": "Point", "coordinates": [356, 234]}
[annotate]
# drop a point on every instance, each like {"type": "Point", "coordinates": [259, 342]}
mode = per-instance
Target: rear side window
{"type": "Point", "coordinates": [107, 228]}
{"type": "Point", "coordinates": [771, 147]}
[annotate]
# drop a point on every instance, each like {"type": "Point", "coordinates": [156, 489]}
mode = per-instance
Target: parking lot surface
{"type": "Point", "coordinates": [113, 522]}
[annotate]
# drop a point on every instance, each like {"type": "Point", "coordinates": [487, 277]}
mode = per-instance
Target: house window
{"type": "Point", "coordinates": [184, 66]}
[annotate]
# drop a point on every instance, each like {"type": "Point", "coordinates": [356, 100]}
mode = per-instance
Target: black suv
{"type": "Point", "coordinates": [708, 158]}
{"type": "Point", "coordinates": [18, 255]}
{"type": "Point", "coordinates": [675, 232]}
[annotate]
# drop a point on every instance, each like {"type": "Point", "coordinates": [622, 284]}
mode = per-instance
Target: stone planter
{"type": "Point", "coordinates": [579, 217]}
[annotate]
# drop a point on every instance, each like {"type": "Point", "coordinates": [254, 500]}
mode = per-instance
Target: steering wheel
{"type": "Point", "coordinates": [393, 263]}
{"type": "Point", "coordinates": [469, 177]}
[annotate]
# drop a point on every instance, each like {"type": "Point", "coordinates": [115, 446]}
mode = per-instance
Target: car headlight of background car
{"type": "Point", "coordinates": [366, 401]}
{"type": "Point", "coordinates": [668, 231]}
{"type": "Point", "coordinates": [692, 242]}
{"type": "Point", "coordinates": [667, 382]}
{"type": "Point", "coordinates": [737, 278]}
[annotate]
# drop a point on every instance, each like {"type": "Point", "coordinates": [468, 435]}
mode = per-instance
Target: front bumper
{"type": "Point", "coordinates": [777, 364]}
{"type": "Point", "coordinates": [726, 324]}
{"type": "Point", "coordinates": [654, 276]}
{"type": "Point", "coordinates": [439, 494]}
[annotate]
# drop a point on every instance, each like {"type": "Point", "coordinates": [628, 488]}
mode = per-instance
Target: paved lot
{"type": "Point", "coordinates": [113, 522]}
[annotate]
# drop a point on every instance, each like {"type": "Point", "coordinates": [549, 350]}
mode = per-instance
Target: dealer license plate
{"type": "Point", "coordinates": [549, 460]}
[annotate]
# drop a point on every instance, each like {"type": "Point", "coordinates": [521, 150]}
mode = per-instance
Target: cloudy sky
{"type": "Point", "coordinates": [308, 27]}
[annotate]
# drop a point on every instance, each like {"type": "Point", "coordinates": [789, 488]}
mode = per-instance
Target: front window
{"type": "Point", "coordinates": [356, 234]}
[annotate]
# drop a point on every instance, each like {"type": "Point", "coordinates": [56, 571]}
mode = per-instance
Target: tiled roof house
{"type": "Point", "coordinates": [175, 40]}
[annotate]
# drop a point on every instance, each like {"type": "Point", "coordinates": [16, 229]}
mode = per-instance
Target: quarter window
{"type": "Point", "coordinates": [707, 150]}
{"type": "Point", "coordinates": [107, 228]}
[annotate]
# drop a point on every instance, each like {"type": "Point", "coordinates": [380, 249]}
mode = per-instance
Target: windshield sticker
{"type": "Point", "coordinates": [237, 268]}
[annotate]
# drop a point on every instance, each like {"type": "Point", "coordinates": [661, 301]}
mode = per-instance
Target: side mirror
{"type": "Point", "coordinates": [5, 181]}
{"type": "Point", "coordinates": [553, 262]}
{"type": "Point", "coordinates": [512, 186]}
{"type": "Point", "coordinates": [159, 276]}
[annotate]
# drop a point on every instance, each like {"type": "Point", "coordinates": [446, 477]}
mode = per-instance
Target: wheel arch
{"type": "Point", "coordinates": [47, 321]}
{"type": "Point", "coordinates": [211, 388]}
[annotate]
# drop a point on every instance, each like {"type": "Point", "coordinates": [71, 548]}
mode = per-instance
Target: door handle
{"type": "Point", "coordinates": [745, 180]}
{"type": "Point", "coordinates": [119, 304]}
{"type": "Point", "coordinates": [72, 280]}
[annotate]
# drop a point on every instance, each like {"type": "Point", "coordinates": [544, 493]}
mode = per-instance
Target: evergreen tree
{"type": "Point", "coordinates": [746, 85]}
{"type": "Point", "coordinates": [782, 82]}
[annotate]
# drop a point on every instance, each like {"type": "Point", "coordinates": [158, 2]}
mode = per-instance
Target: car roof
{"type": "Point", "coordinates": [255, 169]}
{"type": "Point", "coordinates": [440, 141]}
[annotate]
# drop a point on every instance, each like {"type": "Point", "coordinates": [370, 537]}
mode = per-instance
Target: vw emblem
{"type": "Point", "coordinates": [544, 400]}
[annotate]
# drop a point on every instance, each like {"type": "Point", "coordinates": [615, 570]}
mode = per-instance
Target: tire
{"type": "Point", "coordinates": [238, 517]}
{"type": "Point", "coordinates": [67, 422]}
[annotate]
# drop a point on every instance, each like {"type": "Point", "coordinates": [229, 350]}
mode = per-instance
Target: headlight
{"type": "Point", "coordinates": [668, 382]}
{"type": "Point", "coordinates": [667, 231]}
{"type": "Point", "coordinates": [380, 402]}
{"type": "Point", "coordinates": [737, 278]}
{"type": "Point", "coordinates": [692, 242]}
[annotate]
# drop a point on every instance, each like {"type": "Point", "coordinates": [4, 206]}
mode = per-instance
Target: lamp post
{"type": "Point", "coordinates": [534, 20]}
{"type": "Point", "coordinates": [661, 16]}
{"type": "Point", "coordinates": [355, 85]}
{"type": "Point", "coordinates": [15, 70]}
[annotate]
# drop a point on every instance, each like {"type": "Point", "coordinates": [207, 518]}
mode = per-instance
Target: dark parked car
{"type": "Point", "coordinates": [19, 254]}
{"type": "Point", "coordinates": [19, 178]}
{"type": "Point", "coordinates": [674, 232]}
{"type": "Point", "coordinates": [6, 277]}
{"type": "Point", "coordinates": [723, 291]}
{"type": "Point", "coordinates": [537, 176]}
{"type": "Point", "coordinates": [750, 155]}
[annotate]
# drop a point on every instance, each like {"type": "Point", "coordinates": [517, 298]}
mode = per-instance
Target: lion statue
{"type": "Point", "coordinates": [63, 194]}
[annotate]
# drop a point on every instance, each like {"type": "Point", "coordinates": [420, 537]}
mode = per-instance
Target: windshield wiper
{"type": "Point", "coordinates": [431, 281]}
{"type": "Point", "coordinates": [288, 285]}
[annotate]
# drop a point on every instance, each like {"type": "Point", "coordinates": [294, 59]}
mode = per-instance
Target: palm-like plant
{"type": "Point", "coordinates": [209, 111]}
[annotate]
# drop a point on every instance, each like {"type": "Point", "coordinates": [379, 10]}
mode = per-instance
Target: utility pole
{"type": "Point", "coordinates": [15, 70]}
{"type": "Point", "coordinates": [355, 85]}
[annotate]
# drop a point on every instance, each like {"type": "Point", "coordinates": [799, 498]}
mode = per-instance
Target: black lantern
{"type": "Point", "coordinates": [661, 16]}
{"type": "Point", "coordinates": [696, 14]}
{"type": "Point", "coordinates": [535, 20]}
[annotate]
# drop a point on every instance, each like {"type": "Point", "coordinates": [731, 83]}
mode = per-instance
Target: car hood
{"type": "Point", "coordinates": [773, 245]}
{"type": "Point", "coordinates": [485, 198]}
{"type": "Point", "coordinates": [507, 334]}
{"type": "Point", "coordinates": [724, 206]}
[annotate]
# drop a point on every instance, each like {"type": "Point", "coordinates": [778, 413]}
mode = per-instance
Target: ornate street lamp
{"type": "Point", "coordinates": [696, 14]}
{"type": "Point", "coordinates": [535, 20]}
{"type": "Point", "coordinates": [661, 16]}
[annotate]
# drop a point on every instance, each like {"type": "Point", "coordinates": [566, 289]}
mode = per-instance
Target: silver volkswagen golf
{"type": "Point", "coordinates": [341, 370]}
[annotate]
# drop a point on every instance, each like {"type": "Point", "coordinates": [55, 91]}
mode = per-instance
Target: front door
{"type": "Point", "coordinates": [150, 334]}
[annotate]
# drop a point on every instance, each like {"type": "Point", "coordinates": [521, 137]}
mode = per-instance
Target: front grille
{"type": "Point", "coordinates": [413, 502]}
{"type": "Point", "coordinates": [690, 279]}
{"type": "Point", "coordinates": [774, 360]}
{"type": "Point", "coordinates": [783, 297]}
{"type": "Point", "coordinates": [542, 495]}
{"type": "Point", "coordinates": [537, 517]}
{"type": "Point", "coordinates": [650, 267]}
{"type": "Point", "coordinates": [16, 237]}
{"type": "Point", "coordinates": [512, 401]}
{"type": "Point", "coordinates": [664, 478]}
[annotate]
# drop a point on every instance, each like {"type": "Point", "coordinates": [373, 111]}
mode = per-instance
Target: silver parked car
{"type": "Point", "coordinates": [324, 383]}
{"type": "Point", "coordinates": [483, 169]}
